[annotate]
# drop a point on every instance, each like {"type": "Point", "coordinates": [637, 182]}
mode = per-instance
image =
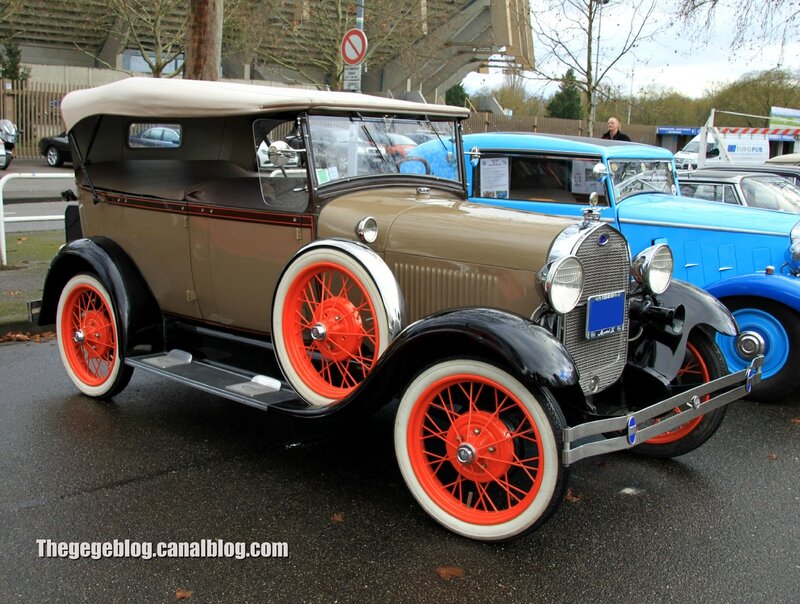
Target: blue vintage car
{"type": "Point", "coordinates": [749, 258]}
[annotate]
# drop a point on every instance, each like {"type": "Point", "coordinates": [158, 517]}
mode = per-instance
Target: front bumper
{"type": "Point", "coordinates": [578, 443]}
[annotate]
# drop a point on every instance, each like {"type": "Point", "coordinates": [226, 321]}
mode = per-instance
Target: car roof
{"type": "Point", "coordinates": [712, 174]}
{"type": "Point", "coordinates": [785, 160]}
{"type": "Point", "coordinates": [768, 168]}
{"type": "Point", "coordinates": [562, 143]}
{"type": "Point", "coordinates": [172, 98]}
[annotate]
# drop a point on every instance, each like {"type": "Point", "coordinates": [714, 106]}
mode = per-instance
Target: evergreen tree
{"type": "Point", "coordinates": [566, 103]}
{"type": "Point", "coordinates": [10, 68]}
{"type": "Point", "coordinates": [456, 95]}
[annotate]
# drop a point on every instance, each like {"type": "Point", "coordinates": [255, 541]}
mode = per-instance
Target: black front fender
{"type": "Point", "coordinates": [528, 352]}
{"type": "Point", "coordinates": [663, 347]}
{"type": "Point", "coordinates": [137, 312]}
{"type": "Point", "coordinates": [701, 307]}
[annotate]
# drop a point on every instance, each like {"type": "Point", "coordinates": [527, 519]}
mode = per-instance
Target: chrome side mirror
{"type": "Point", "coordinates": [280, 153]}
{"type": "Point", "coordinates": [600, 171]}
{"type": "Point", "coordinates": [474, 156]}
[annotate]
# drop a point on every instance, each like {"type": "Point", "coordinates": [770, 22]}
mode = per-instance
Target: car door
{"type": "Point", "coordinates": [244, 228]}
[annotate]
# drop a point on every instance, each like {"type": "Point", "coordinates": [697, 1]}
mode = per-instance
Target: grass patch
{"type": "Point", "coordinates": [22, 279]}
{"type": "Point", "coordinates": [26, 249]}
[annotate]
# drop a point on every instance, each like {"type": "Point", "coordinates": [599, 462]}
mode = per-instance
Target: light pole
{"type": "Point", "coordinates": [593, 83]}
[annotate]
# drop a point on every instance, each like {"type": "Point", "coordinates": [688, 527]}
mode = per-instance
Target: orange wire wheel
{"type": "Point", "coordinates": [478, 450]}
{"type": "Point", "coordinates": [702, 362]}
{"type": "Point", "coordinates": [331, 327]}
{"type": "Point", "coordinates": [88, 339]}
{"type": "Point", "coordinates": [693, 372]}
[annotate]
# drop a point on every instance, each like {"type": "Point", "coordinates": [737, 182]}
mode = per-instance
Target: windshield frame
{"type": "Point", "coordinates": [632, 172]}
{"type": "Point", "coordinates": [367, 146]}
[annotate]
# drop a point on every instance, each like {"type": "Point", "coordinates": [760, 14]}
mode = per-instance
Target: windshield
{"type": "Point", "coordinates": [631, 177]}
{"type": "Point", "coordinates": [694, 147]}
{"type": "Point", "coordinates": [345, 147]}
{"type": "Point", "coordinates": [771, 193]}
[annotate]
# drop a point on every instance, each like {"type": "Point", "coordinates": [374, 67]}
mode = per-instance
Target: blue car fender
{"type": "Point", "coordinates": [780, 288]}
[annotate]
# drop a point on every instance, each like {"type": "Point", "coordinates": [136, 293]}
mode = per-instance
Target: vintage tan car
{"type": "Point", "coordinates": [280, 254]}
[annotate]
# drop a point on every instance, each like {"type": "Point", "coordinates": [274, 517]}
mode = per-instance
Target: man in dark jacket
{"type": "Point", "coordinates": [613, 131]}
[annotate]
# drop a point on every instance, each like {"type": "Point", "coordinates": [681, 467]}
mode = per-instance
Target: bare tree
{"type": "Point", "coordinates": [301, 40]}
{"type": "Point", "coordinates": [568, 35]}
{"type": "Point", "coordinates": [757, 21]}
{"type": "Point", "coordinates": [8, 9]}
{"type": "Point", "coordinates": [154, 28]}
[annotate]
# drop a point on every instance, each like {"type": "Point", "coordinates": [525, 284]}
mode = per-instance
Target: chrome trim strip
{"type": "Point", "coordinates": [700, 227]}
{"type": "Point", "coordinates": [739, 385]}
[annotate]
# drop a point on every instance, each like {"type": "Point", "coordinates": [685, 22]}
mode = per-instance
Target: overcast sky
{"type": "Point", "coordinates": [674, 59]}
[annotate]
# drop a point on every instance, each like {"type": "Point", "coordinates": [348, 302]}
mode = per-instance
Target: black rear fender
{"type": "Point", "coordinates": [136, 308]}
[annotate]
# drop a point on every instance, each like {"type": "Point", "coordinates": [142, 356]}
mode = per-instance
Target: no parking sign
{"type": "Point", "coordinates": [354, 47]}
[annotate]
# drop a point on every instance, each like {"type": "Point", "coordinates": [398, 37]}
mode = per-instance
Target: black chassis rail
{"type": "Point", "coordinates": [723, 390]}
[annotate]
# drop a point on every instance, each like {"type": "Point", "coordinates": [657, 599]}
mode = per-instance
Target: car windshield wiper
{"type": "Point", "coordinates": [374, 144]}
{"type": "Point", "coordinates": [433, 129]}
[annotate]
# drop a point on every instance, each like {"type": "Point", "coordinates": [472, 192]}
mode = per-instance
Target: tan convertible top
{"type": "Point", "coordinates": [155, 97]}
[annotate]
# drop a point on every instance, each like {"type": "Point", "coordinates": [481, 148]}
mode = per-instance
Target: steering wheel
{"type": "Point", "coordinates": [421, 160]}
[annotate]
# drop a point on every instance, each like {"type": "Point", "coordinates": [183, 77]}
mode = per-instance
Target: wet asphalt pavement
{"type": "Point", "coordinates": [166, 463]}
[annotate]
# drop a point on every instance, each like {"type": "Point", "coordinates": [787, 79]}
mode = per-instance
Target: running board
{"type": "Point", "coordinates": [258, 391]}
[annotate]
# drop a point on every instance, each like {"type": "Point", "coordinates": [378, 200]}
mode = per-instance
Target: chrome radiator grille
{"type": "Point", "coordinates": [606, 268]}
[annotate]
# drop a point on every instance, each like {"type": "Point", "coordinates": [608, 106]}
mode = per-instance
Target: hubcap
{"type": "Point", "coordinates": [78, 337]}
{"type": "Point", "coordinates": [466, 453]}
{"type": "Point", "coordinates": [749, 344]}
{"type": "Point", "coordinates": [481, 445]}
{"type": "Point", "coordinates": [318, 332]}
{"type": "Point", "coordinates": [337, 331]}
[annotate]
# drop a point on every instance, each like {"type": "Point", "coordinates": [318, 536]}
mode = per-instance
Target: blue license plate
{"type": "Point", "coordinates": [605, 315]}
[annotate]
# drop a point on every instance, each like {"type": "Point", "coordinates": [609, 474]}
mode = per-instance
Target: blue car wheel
{"type": "Point", "coordinates": [778, 326]}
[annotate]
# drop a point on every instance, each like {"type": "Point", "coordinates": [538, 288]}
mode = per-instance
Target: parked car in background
{"type": "Point", "coordinates": [421, 136]}
{"type": "Point", "coordinates": [748, 258]}
{"type": "Point", "coordinates": [787, 171]}
{"type": "Point", "coordinates": [55, 149]}
{"type": "Point", "coordinates": [9, 133]}
{"type": "Point", "coordinates": [159, 136]}
{"type": "Point", "coordinates": [751, 189]}
{"type": "Point", "coordinates": [792, 159]}
{"type": "Point", "coordinates": [515, 343]}
{"type": "Point", "coordinates": [740, 148]}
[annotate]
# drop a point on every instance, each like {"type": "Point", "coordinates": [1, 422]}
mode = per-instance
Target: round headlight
{"type": "Point", "coordinates": [367, 229]}
{"type": "Point", "coordinates": [563, 284]}
{"type": "Point", "coordinates": [794, 251]}
{"type": "Point", "coordinates": [794, 235]}
{"type": "Point", "coordinates": [653, 268]}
